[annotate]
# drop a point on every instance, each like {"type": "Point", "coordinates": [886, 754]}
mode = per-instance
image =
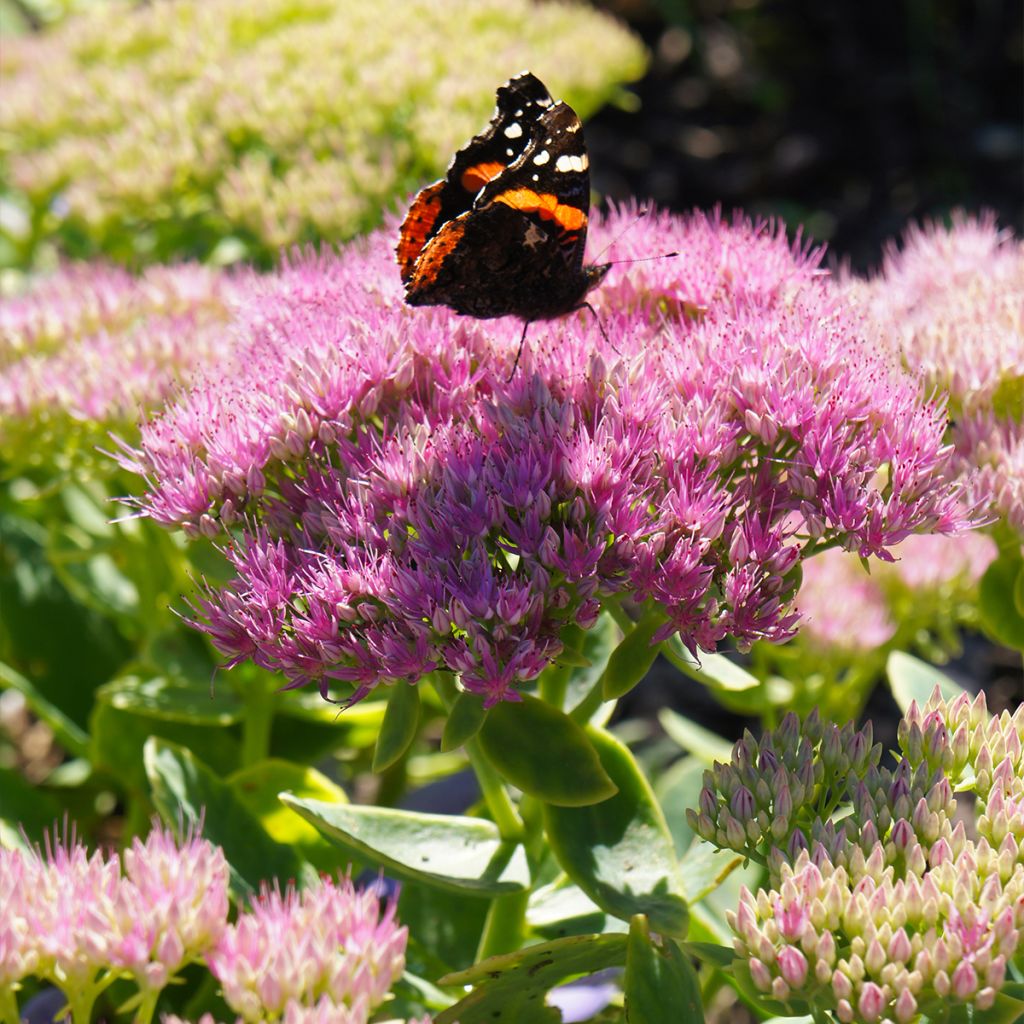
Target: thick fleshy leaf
{"type": "Point", "coordinates": [544, 753]}
{"type": "Point", "coordinates": [912, 679]}
{"type": "Point", "coordinates": [463, 854]}
{"type": "Point", "coordinates": [1000, 616]}
{"type": "Point", "coordinates": [703, 868]}
{"type": "Point", "coordinates": [510, 989]}
{"type": "Point", "coordinates": [701, 742]}
{"type": "Point", "coordinates": [633, 657]}
{"type": "Point", "coordinates": [464, 720]}
{"type": "Point", "coordinates": [184, 789]}
{"type": "Point", "coordinates": [444, 928]}
{"type": "Point", "coordinates": [620, 851]}
{"type": "Point", "coordinates": [259, 787]}
{"type": "Point", "coordinates": [563, 908]}
{"type": "Point", "coordinates": [660, 984]}
{"type": "Point", "coordinates": [398, 730]}
{"type": "Point", "coordinates": [597, 647]}
{"type": "Point", "coordinates": [172, 701]}
{"type": "Point", "coordinates": [714, 670]}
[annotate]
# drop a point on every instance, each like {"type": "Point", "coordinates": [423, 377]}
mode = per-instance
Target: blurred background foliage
{"type": "Point", "coordinates": [135, 134]}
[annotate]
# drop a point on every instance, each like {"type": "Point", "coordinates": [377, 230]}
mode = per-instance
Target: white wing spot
{"type": "Point", "coordinates": [536, 177]}
{"type": "Point", "coordinates": [519, 113]}
{"type": "Point", "coordinates": [514, 130]}
{"type": "Point", "coordinates": [567, 163]}
{"type": "Point", "coordinates": [509, 152]}
{"type": "Point", "coordinates": [542, 158]}
{"type": "Point", "coordinates": [534, 236]}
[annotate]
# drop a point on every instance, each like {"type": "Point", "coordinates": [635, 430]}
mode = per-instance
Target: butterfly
{"type": "Point", "coordinates": [504, 232]}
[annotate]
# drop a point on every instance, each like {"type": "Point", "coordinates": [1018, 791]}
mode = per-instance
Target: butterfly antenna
{"type": "Point", "coordinates": [641, 213]}
{"type": "Point", "coordinates": [519, 351]}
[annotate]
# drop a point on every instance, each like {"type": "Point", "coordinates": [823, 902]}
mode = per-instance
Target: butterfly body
{"type": "Point", "coordinates": [504, 232]}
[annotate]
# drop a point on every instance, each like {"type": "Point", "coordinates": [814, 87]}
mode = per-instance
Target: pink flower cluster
{"type": "Point", "coordinates": [930, 572]}
{"type": "Point", "coordinates": [898, 907]}
{"type": "Point", "coordinates": [329, 953]}
{"type": "Point", "coordinates": [94, 344]}
{"type": "Point", "coordinates": [328, 950]}
{"type": "Point", "coordinates": [399, 505]}
{"type": "Point", "coordinates": [69, 916]}
{"type": "Point", "coordinates": [950, 303]}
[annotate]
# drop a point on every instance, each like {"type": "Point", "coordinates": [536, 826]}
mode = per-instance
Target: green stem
{"type": "Point", "coordinates": [144, 1014]}
{"type": "Point", "coordinates": [505, 926]}
{"type": "Point", "coordinates": [8, 1007]}
{"type": "Point", "coordinates": [259, 717]}
{"type": "Point", "coordinates": [499, 803]}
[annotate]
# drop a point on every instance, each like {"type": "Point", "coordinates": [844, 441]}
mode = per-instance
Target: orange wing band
{"type": "Point", "coordinates": [474, 178]}
{"type": "Point", "coordinates": [440, 247]}
{"type": "Point", "coordinates": [545, 205]}
{"type": "Point", "coordinates": [416, 228]}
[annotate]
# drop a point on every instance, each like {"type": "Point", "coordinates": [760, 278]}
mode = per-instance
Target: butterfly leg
{"type": "Point", "coordinates": [519, 351]}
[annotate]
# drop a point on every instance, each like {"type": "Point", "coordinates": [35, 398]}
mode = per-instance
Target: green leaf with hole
{"type": "Point", "coordinates": [185, 789]}
{"type": "Point", "coordinates": [510, 989]}
{"type": "Point", "coordinates": [912, 679]}
{"type": "Point", "coordinates": [464, 720]}
{"type": "Point", "coordinates": [620, 851]}
{"type": "Point", "coordinates": [632, 659]}
{"type": "Point", "coordinates": [660, 984]}
{"type": "Point", "coordinates": [398, 730]}
{"type": "Point", "coordinates": [543, 752]}
{"type": "Point", "coordinates": [463, 854]}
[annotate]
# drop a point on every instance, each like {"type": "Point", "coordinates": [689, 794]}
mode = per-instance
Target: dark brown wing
{"type": "Point", "coordinates": [514, 125]}
{"type": "Point", "coordinates": [519, 249]}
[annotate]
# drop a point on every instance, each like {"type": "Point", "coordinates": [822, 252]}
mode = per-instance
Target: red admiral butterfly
{"type": "Point", "coordinates": [503, 233]}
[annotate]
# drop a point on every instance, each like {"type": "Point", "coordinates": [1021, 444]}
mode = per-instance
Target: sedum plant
{"type": "Point", "coordinates": [227, 129]}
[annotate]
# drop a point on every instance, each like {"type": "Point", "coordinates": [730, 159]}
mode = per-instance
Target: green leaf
{"type": "Point", "coordinates": [24, 808]}
{"type": "Point", "coordinates": [398, 730]}
{"type": "Point", "coordinates": [462, 854]}
{"type": "Point", "coordinates": [708, 746]}
{"type": "Point", "coordinates": [117, 739]}
{"type": "Point", "coordinates": [704, 868]}
{"type": "Point", "coordinates": [172, 701]}
{"type": "Point", "coordinates": [444, 928]}
{"type": "Point", "coordinates": [259, 787]}
{"type": "Point", "coordinates": [510, 989]}
{"type": "Point", "coordinates": [68, 733]}
{"type": "Point", "coordinates": [660, 984]}
{"type": "Point", "coordinates": [563, 908]}
{"type": "Point", "coordinates": [464, 720]}
{"type": "Point", "coordinates": [632, 659]}
{"type": "Point", "coordinates": [185, 789]}
{"type": "Point", "coordinates": [1000, 616]}
{"type": "Point", "coordinates": [678, 788]}
{"type": "Point", "coordinates": [1008, 398]}
{"type": "Point", "coordinates": [717, 956]}
{"type": "Point", "coordinates": [598, 645]}
{"type": "Point", "coordinates": [620, 851]}
{"type": "Point", "coordinates": [543, 752]}
{"type": "Point", "coordinates": [911, 679]}
{"type": "Point", "coordinates": [715, 671]}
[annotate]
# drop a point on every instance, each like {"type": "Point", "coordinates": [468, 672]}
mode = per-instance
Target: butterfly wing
{"type": "Point", "coordinates": [519, 249]}
{"type": "Point", "coordinates": [513, 126]}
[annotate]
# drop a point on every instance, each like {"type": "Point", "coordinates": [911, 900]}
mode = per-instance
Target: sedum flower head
{"type": "Point", "coordinates": [328, 953]}
{"type": "Point", "coordinates": [949, 301]}
{"type": "Point", "coordinates": [142, 134]}
{"type": "Point", "coordinates": [69, 916]}
{"type": "Point", "coordinates": [399, 505]}
{"type": "Point", "coordinates": [88, 347]}
{"type": "Point", "coordinates": [897, 908]}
